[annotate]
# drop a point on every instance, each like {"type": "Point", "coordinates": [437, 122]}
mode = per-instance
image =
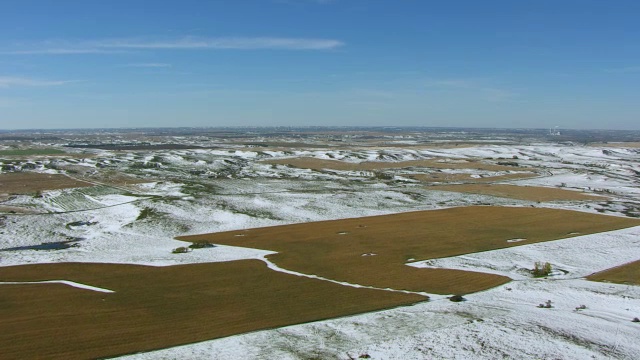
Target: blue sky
{"type": "Point", "coordinates": [532, 64]}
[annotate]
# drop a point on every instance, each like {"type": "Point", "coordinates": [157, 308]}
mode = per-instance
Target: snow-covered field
{"type": "Point", "coordinates": [218, 190]}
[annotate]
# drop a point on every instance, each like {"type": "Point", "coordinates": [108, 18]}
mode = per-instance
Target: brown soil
{"type": "Point", "coordinates": [628, 145]}
{"type": "Point", "coordinates": [446, 178]}
{"type": "Point", "coordinates": [29, 182]}
{"type": "Point", "coordinates": [16, 209]}
{"type": "Point", "coordinates": [117, 179]}
{"type": "Point", "coordinates": [530, 193]}
{"type": "Point", "coordinates": [343, 249]}
{"type": "Point", "coordinates": [321, 164]}
{"type": "Point", "coordinates": [159, 307]}
{"type": "Point", "coordinates": [624, 274]}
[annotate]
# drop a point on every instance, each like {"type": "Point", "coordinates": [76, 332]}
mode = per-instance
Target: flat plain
{"type": "Point", "coordinates": [373, 251]}
{"type": "Point", "coordinates": [157, 307]}
{"type": "Point", "coordinates": [469, 178]}
{"type": "Point", "coordinates": [320, 164]}
{"type": "Point", "coordinates": [329, 243]}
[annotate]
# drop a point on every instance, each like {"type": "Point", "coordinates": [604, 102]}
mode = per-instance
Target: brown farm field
{"type": "Point", "coordinates": [321, 164]}
{"type": "Point", "coordinates": [118, 179]}
{"type": "Point", "coordinates": [374, 250]}
{"type": "Point", "coordinates": [623, 274]}
{"type": "Point", "coordinates": [530, 193]}
{"type": "Point", "coordinates": [29, 182]}
{"type": "Point", "coordinates": [467, 178]}
{"type": "Point", "coordinates": [159, 307]}
{"type": "Point", "coordinates": [628, 145]}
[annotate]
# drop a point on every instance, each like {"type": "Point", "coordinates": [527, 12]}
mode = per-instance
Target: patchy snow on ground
{"type": "Point", "coordinates": [213, 190]}
{"type": "Point", "coordinates": [110, 238]}
{"type": "Point", "coordinates": [573, 257]}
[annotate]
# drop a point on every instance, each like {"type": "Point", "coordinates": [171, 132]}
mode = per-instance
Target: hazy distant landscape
{"type": "Point", "coordinates": [319, 242]}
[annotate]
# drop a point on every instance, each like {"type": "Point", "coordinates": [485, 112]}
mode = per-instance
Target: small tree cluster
{"type": "Point", "coordinates": [541, 270]}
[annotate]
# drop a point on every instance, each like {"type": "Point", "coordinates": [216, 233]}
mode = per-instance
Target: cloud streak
{"type": "Point", "coordinates": [60, 51]}
{"type": "Point", "coordinates": [234, 43]}
{"type": "Point", "coordinates": [110, 46]}
{"type": "Point", "coordinates": [148, 65]}
{"type": "Point", "coordinates": [11, 81]}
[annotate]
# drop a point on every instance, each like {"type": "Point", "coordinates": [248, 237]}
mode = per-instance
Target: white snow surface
{"type": "Point", "coordinates": [575, 257]}
{"type": "Point", "coordinates": [503, 322]}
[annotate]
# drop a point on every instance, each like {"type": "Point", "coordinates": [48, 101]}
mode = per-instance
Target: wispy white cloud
{"type": "Point", "coordinates": [238, 43]}
{"type": "Point", "coordinates": [11, 81]}
{"type": "Point", "coordinates": [109, 46]}
{"type": "Point", "coordinates": [148, 65]}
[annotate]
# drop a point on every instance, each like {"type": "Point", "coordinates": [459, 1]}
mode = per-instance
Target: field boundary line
{"type": "Point", "coordinates": [275, 267]}
{"type": "Point", "coordinates": [64, 282]}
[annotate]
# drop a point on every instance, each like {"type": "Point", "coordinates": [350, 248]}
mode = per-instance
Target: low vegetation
{"type": "Point", "coordinates": [27, 152]}
{"type": "Point", "coordinates": [145, 213]}
{"type": "Point", "coordinates": [181, 250]}
{"type": "Point", "coordinates": [546, 305]}
{"type": "Point", "coordinates": [541, 270]}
